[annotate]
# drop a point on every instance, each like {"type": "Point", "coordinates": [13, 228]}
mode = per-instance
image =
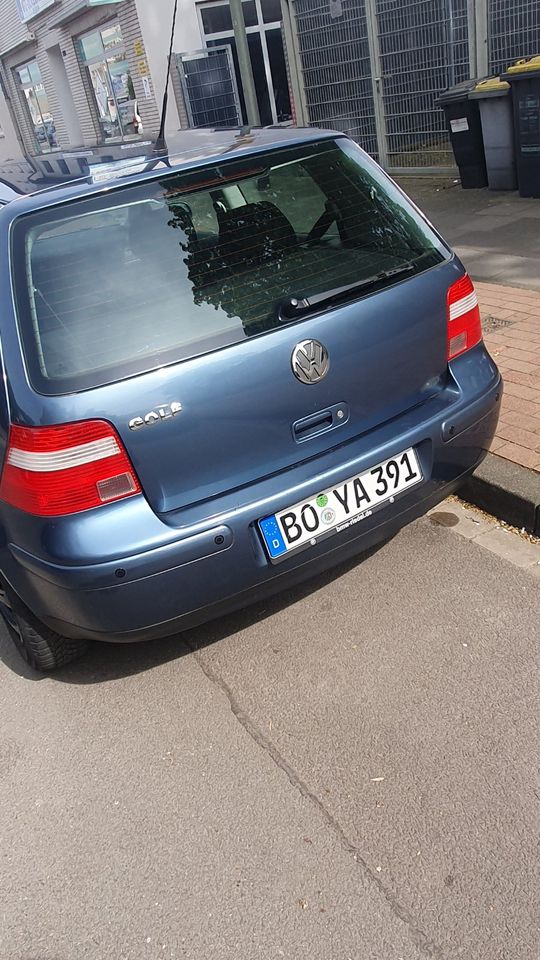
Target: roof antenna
{"type": "Point", "coordinates": [160, 146]}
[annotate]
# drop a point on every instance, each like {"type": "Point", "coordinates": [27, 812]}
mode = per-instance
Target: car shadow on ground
{"type": "Point", "coordinates": [106, 662]}
{"type": "Point", "coordinates": [10, 656]}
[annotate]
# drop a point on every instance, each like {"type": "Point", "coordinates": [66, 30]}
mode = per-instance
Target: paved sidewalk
{"type": "Point", "coordinates": [496, 234]}
{"type": "Point", "coordinates": [511, 322]}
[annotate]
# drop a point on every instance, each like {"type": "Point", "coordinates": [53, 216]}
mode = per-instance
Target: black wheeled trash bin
{"type": "Point", "coordinates": [524, 78]}
{"type": "Point", "coordinates": [465, 129]}
{"type": "Point", "coordinates": [497, 117]}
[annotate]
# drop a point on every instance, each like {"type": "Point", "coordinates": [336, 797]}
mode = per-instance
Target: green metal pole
{"type": "Point", "coordinates": [244, 62]}
{"type": "Point", "coordinates": [482, 51]}
{"type": "Point", "coordinates": [295, 63]}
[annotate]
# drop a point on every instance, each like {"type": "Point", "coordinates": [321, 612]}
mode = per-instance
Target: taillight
{"type": "Point", "coordinates": [464, 325]}
{"type": "Point", "coordinates": [53, 471]}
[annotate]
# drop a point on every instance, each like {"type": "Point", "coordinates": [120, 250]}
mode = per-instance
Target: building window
{"type": "Point", "coordinates": [102, 53]}
{"type": "Point", "coordinates": [36, 104]}
{"type": "Point", "coordinates": [263, 28]}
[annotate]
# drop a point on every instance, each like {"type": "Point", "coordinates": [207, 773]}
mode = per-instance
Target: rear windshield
{"type": "Point", "coordinates": [158, 272]}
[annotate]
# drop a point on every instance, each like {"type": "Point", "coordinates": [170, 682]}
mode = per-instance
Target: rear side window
{"type": "Point", "coordinates": [117, 284]}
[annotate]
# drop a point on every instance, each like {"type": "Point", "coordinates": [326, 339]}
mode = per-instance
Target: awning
{"type": "Point", "coordinates": [82, 7]}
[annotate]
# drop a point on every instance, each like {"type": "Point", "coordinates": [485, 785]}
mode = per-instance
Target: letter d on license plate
{"type": "Point", "coordinates": [339, 507]}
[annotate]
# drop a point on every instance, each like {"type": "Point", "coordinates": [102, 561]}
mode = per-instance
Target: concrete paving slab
{"type": "Point", "coordinates": [506, 545]}
{"type": "Point", "coordinates": [465, 520]}
{"type": "Point", "coordinates": [499, 267]}
{"type": "Point", "coordinates": [501, 227]}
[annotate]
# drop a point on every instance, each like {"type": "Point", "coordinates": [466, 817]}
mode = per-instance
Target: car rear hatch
{"type": "Point", "coordinates": [183, 311]}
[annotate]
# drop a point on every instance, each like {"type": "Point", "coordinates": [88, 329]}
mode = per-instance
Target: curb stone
{"type": "Point", "coordinates": [507, 491]}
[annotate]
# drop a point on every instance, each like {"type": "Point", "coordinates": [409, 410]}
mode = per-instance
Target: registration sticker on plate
{"type": "Point", "coordinates": [339, 507]}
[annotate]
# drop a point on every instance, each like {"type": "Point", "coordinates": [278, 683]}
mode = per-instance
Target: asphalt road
{"type": "Point", "coordinates": [347, 773]}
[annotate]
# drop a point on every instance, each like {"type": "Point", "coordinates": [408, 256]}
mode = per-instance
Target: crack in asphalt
{"type": "Point", "coordinates": [421, 939]}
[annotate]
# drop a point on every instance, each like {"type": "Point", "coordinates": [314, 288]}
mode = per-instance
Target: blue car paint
{"type": "Point", "coordinates": [189, 548]}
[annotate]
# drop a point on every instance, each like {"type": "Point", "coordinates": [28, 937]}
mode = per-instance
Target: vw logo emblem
{"type": "Point", "coordinates": [310, 361]}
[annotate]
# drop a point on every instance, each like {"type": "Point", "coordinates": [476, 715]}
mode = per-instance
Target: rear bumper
{"type": "Point", "coordinates": [220, 565]}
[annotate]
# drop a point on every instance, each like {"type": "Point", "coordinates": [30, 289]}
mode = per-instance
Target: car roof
{"type": "Point", "coordinates": [21, 181]}
{"type": "Point", "coordinates": [7, 192]}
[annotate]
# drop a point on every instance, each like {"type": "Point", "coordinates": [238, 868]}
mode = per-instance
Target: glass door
{"type": "Point", "coordinates": [278, 73]}
{"type": "Point", "coordinates": [259, 75]}
{"type": "Point", "coordinates": [263, 28]}
{"type": "Point", "coordinates": [105, 100]}
{"type": "Point", "coordinates": [37, 107]}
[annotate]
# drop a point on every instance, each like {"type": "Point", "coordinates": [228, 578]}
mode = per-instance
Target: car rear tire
{"type": "Point", "coordinates": [42, 648]}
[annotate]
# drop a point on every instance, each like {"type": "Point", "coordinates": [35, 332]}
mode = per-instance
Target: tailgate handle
{"type": "Point", "coordinates": [320, 422]}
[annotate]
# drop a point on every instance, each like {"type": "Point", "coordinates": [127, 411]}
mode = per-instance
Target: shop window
{"type": "Point", "coordinates": [103, 55]}
{"type": "Point", "coordinates": [36, 105]}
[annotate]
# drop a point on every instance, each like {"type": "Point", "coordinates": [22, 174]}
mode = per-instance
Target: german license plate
{"type": "Point", "coordinates": [339, 507]}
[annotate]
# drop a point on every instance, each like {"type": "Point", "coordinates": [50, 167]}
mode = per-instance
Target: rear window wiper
{"type": "Point", "coordinates": [294, 307]}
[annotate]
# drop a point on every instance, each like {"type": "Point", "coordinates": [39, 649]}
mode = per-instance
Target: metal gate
{"type": "Point", "coordinates": [514, 31]}
{"type": "Point", "coordinates": [209, 88]}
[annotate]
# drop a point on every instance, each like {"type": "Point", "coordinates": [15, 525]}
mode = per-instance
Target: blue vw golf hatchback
{"type": "Point", "coordinates": [223, 372]}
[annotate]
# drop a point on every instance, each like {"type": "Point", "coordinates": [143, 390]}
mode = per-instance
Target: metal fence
{"type": "Point", "coordinates": [209, 87]}
{"type": "Point", "coordinates": [336, 67]}
{"type": "Point", "coordinates": [423, 50]}
{"type": "Point", "coordinates": [375, 68]}
{"type": "Point", "coordinates": [514, 31]}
